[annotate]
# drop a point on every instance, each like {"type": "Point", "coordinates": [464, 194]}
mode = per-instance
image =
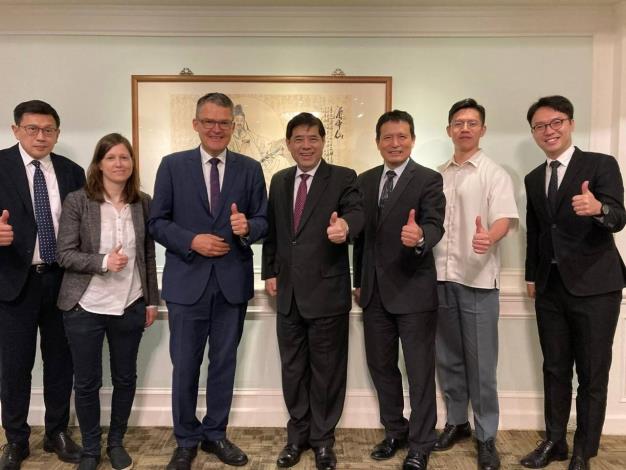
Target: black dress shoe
{"type": "Point", "coordinates": [290, 455]}
{"type": "Point", "coordinates": [578, 463]}
{"type": "Point", "coordinates": [488, 458]}
{"type": "Point", "coordinates": [415, 461]}
{"type": "Point", "coordinates": [546, 452]}
{"type": "Point", "coordinates": [452, 433]}
{"type": "Point", "coordinates": [325, 458]}
{"type": "Point", "coordinates": [62, 444]}
{"type": "Point", "coordinates": [387, 448]}
{"type": "Point", "coordinates": [182, 458]}
{"type": "Point", "coordinates": [226, 451]}
{"type": "Point", "coordinates": [12, 456]}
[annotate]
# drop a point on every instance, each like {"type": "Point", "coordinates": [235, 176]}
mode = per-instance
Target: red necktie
{"type": "Point", "coordinates": [300, 200]}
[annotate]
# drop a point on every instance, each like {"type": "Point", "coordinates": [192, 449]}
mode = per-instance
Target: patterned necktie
{"type": "Point", "coordinates": [553, 186]}
{"type": "Point", "coordinates": [300, 200]}
{"type": "Point", "coordinates": [387, 188]}
{"type": "Point", "coordinates": [215, 185]}
{"type": "Point", "coordinates": [43, 216]}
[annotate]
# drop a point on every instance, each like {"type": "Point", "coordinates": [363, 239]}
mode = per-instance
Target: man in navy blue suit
{"type": "Point", "coordinates": [209, 206]}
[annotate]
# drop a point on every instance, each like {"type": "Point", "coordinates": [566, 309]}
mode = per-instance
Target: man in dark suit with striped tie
{"type": "Point", "coordinates": [33, 183]}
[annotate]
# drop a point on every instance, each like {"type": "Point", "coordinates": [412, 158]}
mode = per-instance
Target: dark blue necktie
{"type": "Point", "coordinates": [215, 185]}
{"type": "Point", "coordinates": [43, 216]}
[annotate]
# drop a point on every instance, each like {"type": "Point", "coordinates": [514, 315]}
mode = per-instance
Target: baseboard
{"type": "Point", "coordinates": [265, 408]}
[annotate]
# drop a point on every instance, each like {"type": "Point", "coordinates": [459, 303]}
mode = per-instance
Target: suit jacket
{"type": "Point", "coordinates": [180, 211]}
{"type": "Point", "coordinates": [78, 247]}
{"type": "Point", "coordinates": [406, 277]}
{"type": "Point", "coordinates": [306, 264]}
{"type": "Point", "coordinates": [15, 259]}
{"type": "Point", "coordinates": [587, 257]}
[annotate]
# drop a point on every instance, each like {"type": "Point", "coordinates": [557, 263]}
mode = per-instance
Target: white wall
{"type": "Point", "coordinates": [82, 65]}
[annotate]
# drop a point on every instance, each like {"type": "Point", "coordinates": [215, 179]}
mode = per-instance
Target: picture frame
{"type": "Point", "coordinates": [163, 108]}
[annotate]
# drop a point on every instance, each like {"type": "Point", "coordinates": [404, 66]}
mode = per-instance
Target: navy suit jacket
{"type": "Point", "coordinates": [15, 259]}
{"type": "Point", "coordinates": [589, 263]}
{"type": "Point", "coordinates": [180, 211]}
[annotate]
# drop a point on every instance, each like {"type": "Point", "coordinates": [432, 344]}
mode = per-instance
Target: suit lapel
{"type": "Point", "coordinates": [287, 199]}
{"type": "Point", "coordinates": [394, 197]}
{"type": "Point", "coordinates": [197, 177]}
{"type": "Point", "coordinates": [231, 170]}
{"type": "Point", "coordinates": [318, 186]}
{"type": "Point", "coordinates": [136, 211]}
{"type": "Point", "coordinates": [94, 223]}
{"type": "Point", "coordinates": [17, 174]}
{"type": "Point", "coordinates": [63, 177]}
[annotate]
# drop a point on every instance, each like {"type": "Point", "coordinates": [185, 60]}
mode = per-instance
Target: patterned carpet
{"type": "Point", "coordinates": [151, 448]}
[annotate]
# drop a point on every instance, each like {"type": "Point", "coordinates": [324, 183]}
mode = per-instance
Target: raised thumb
{"type": "Point", "coordinates": [585, 187]}
{"type": "Point", "coordinates": [5, 217]}
{"type": "Point", "coordinates": [333, 218]}
{"type": "Point", "coordinates": [233, 209]}
{"type": "Point", "coordinates": [479, 225]}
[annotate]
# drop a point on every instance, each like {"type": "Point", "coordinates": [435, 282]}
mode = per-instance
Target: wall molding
{"type": "Point", "coordinates": [265, 408]}
{"type": "Point", "coordinates": [189, 21]}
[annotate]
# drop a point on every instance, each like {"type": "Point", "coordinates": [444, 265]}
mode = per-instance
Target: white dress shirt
{"type": "Point", "coordinates": [309, 181]}
{"type": "Point", "coordinates": [564, 160]}
{"type": "Point", "coordinates": [53, 192]}
{"type": "Point", "coordinates": [481, 187]}
{"type": "Point", "coordinates": [398, 170]}
{"type": "Point", "coordinates": [110, 293]}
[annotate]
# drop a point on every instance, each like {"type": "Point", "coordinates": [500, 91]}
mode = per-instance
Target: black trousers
{"type": "Point", "coordinates": [86, 332]}
{"type": "Point", "coordinates": [383, 331]}
{"type": "Point", "coordinates": [35, 308]}
{"type": "Point", "coordinates": [580, 331]}
{"type": "Point", "coordinates": [314, 361]}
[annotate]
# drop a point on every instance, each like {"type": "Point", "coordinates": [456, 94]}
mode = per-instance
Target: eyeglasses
{"type": "Point", "coordinates": [32, 131]}
{"type": "Point", "coordinates": [555, 124]}
{"type": "Point", "coordinates": [210, 124]}
{"type": "Point", "coordinates": [471, 124]}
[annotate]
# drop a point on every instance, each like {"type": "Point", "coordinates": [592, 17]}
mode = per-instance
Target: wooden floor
{"type": "Point", "coordinates": [151, 448]}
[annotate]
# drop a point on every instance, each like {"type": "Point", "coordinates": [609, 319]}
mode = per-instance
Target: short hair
{"type": "Point", "coordinates": [556, 102]}
{"type": "Point", "coordinates": [305, 119]}
{"type": "Point", "coordinates": [467, 103]}
{"type": "Point", "coordinates": [395, 116]}
{"type": "Point", "coordinates": [34, 107]}
{"type": "Point", "coordinates": [219, 99]}
{"type": "Point", "coordinates": [94, 187]}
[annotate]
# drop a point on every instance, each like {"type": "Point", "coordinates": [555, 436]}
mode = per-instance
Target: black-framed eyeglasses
{"type": "Point", "coordinates": [210, 124]}
{"type": "Point", "coordinates": [35, 130]}
{"type": "Point", "coordinates": [555, 124]}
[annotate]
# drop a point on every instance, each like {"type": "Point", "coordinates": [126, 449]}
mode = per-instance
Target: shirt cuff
{"type": "Point", "coordinates": [105, 261]}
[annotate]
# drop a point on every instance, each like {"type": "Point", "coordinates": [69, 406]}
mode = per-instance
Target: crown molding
{"type": "Point", "coordinates": [194, 21]}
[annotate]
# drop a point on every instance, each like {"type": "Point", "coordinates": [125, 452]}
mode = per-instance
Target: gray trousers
{"type": "Point", "coordinates": [467, 355]}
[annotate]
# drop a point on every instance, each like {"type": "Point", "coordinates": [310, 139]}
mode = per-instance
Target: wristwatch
{"type": "Point", "coordinates": [605, 209]}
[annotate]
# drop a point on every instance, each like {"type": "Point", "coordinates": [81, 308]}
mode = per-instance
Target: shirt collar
{"type": "Point", "coordinates": [564, 158]}
{"type": "Point", "coordinates": [397, 170]}
{"type": "Point", "coordinates": [474, 160]}
{"type": "Point", "coordinates": [310, 172]}
{"type": "Point", "coordinates": [46, 161]}
{"type": "Point", "coordinates": [206, 156]}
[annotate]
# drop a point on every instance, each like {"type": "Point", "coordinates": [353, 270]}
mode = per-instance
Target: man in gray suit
{"type": "Point", "coordinates": [312, 208]}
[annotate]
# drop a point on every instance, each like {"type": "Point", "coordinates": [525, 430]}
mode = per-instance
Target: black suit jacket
{"type": "Point", "coordinates": [406, 278]}
{"type": "Point", "coordinates": [587, 257]}
{"type": "Point", "coordinates": [15, 259]}
{"type": "Point", "coordinates": [306, 264]}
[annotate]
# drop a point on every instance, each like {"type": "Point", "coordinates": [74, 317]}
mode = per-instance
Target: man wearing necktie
{"type": "Point", "coordinates": [314, 207]}
{"type": "Point", "coordinates": [33, 183]}
{"type": "Point", "coordinates": [209, 206]}
{"type": "Point", "coordinates": [575, 202]}
{"type": "Point", "coordinates": [396, 285]}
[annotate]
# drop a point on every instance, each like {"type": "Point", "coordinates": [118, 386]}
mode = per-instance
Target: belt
{"type": "Point", "coordinates": [44, 268]}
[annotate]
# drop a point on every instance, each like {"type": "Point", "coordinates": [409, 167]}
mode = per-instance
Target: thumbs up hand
{"type": "Point", "coordinates": [586, 204]}
{"type": "Point", "coordinates": [238, 221]}
{"type": "Point", "coordinates": [116, 260]}
{"type": "Point", "coordinates": [6, 230]}
{"type": "Point", "coordinates": [337, 230]}
{"type": "Point", "coordinates": [481, 241]}
{"type": "Point", "coordinates": [411, 232]}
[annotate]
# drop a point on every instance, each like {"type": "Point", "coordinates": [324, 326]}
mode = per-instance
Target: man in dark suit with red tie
{"type": "Point", "coordinates": [396, 284]}
{"type": "Point", "coordinates": [575, 202]}
{"type": "Point", "coordinates": [313, 208]}
{"type": "Point", "coordinates": [33, 184]}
